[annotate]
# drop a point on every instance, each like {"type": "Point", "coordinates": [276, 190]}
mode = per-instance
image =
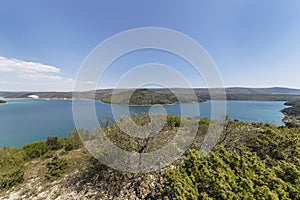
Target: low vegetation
{"type": "Point", "coordinates": [11, 167]}
{"type": "Point", "coordinates": [227, 174]}
{"type": "Point", "coordinates": [56, 168]}
{"type": "Point", "coordinates": [250, 161]}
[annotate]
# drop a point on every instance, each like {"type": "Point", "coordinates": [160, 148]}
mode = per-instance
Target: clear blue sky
{"type": "Point", "coordinates": [254, 43]}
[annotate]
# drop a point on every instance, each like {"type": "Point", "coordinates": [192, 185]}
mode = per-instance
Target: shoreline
{"type": "Point", "coordinates": [287, 119]}
{"type": "Point", "coordinates": [3, 101]}
{"type": "Point", "coordinates": [291, 114]}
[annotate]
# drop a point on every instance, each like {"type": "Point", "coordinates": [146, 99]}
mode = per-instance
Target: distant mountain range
{"type": "Point", "coordinates": [163, 95]}
{"type": "Point", "coordinates": [273, 90]}
{"type": "Point", "coordinates": [243, 90]}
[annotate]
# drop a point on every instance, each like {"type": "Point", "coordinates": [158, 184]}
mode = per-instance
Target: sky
{"type": "Point", "coordinates": [253, 43]}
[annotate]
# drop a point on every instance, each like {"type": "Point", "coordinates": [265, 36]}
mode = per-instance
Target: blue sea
{"type": "Point", "coordinates": [27, 120]}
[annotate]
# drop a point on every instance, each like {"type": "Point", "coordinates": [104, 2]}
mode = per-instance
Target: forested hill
{"type": "Point", "coordinates": [148, 97]}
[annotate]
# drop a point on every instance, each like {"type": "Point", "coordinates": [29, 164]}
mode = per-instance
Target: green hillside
{"type": "Point", "coordinates": [147, 97]}
{"type": "Point", "coordinates": [251, 161]}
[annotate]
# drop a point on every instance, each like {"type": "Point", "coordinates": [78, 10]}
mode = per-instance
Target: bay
{"type": "Point", "coordinates": [27, 120]}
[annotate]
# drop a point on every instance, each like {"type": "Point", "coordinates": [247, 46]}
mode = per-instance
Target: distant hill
{"type": "Point", "coordinates": [152, 96]}
{"type": "Point", "coordinates": [147, 97]}
{"type": "Point", "coordinates": [39, 94]}
{"type": "Point", "coordinates": [56, 95]}
{"type": "Point", "coordinates": [6, 94]}
{"type": "Point", "coordinates": [242, 90]}
{"type": "Point", "coordinates": [273, 90]}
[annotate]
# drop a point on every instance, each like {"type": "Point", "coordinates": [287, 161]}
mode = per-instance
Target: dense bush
{"type": "Point", "coordinates": [231, 175]}
{"type": "Point", "coordinates": [173, 121]}
{"type": "Point", "coordinates": [56, 168]}
{"type": "Point", "coordinates": [11, 177]}
{"type": "Point", "coordinates": [36, 149]}
{"type": "Point", "coordinates": [11, 167]}
{"type": "Point", "coordinates": [53, 143]}
{"type": "Point", "coordinates": [73, 140]}
{"type": "Point", "coordinates": [255, 161]}
{"type": "Point", "coordinates": [271, 144]}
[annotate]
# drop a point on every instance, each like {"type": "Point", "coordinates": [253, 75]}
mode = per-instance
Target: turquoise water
{"type": "Point", "coordinates": [24, 120]}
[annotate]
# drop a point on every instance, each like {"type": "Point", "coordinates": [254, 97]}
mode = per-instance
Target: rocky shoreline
{"type": "Point", "coordinates": [292, 114]}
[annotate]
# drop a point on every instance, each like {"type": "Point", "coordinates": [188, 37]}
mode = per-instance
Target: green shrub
{"type": "Point", "coordinates": [11, 167]}
{"type": "Point", "coordinates": [73, 141]}
{"type": "Point", "coordinates": [173, 121]}
{"type": "Point", "coordinates": [47, 155]}
{"type": "Point", "coordinates": [230, 175]}
{"type": "Point", "coordinates": [11, 157]}
{"type": "Point", "coordinates": [56, 168]}
{"type": "Point", "coordinates": [53, 143]}
{"type": "Point", "coordinates": [11, 177]}
{"type": "Point", "coordinates": [36, 149]}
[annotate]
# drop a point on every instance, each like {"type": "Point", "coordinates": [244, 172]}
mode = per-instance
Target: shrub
{"type": "Point", "coordinates": [230, 175]}
{"type": "Point", "coordinates": [173, 121]}
{"type": "Point", "coordinates": [73, 141]}
{"type": "Point", "coordinates": [56, 168]}
{"type": "Point", "coordinates": [36, 149]}
{"type": "Point", "coordinates": [11, 177]}
{"type": "Point", "coordinates": [53, 143]}
{"type": "Point", "coordinates": [11, 167]}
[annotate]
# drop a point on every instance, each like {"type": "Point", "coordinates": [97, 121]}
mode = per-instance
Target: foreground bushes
{"type": "Point", "coordinates": [11, 177]}
{"type": "Point", "coordinates": [11, 167]}
{"type": "Point", "coordinates": [12, 160]}
{"type": "Point", "coordinates": [56, 168]}
{"type": "Point", "coordinates": [231, 175]}
{"type": "Point", "coordinates": [36, 149]}
{"type": "Point", "coordinates": [252, 160]}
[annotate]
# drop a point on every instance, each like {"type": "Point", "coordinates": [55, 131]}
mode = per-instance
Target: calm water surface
{"type": "Point", "coordinates": [24, 120]}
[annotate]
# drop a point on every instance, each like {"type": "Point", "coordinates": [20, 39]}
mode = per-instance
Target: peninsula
{"type": "Point", "coordinates": [148, 97]}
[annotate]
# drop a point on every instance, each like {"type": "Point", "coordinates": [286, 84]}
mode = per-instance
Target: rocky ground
{"type": "Point", "coordinates": [85, 179]}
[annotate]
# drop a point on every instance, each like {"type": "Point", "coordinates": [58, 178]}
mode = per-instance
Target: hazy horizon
{"type": "Point", "coordinates": [155, 88]}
